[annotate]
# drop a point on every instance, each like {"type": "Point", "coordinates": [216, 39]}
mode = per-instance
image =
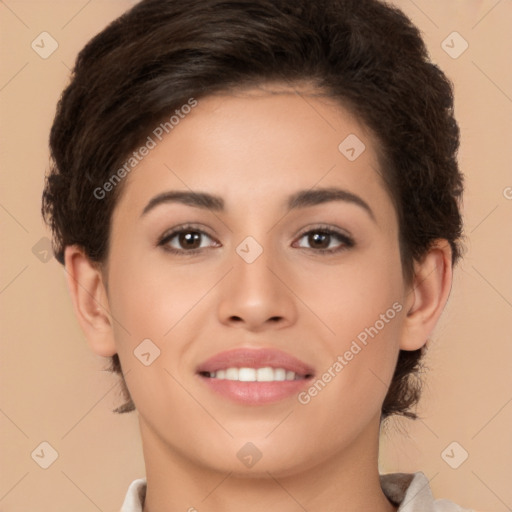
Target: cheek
{"type": "Point", "coordinates": [151, 299]}
{"type": "Point", "coordinates": [361, 308]}
{"type": "Point", "coordinates": [352, 296]}
{"type": "Point", "coordinates": [350, 388]}
{"type": "Point", "coordinates": [154, 311]}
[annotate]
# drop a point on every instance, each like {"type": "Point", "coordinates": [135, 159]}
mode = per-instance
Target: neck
{"type": "Point", "coordinates": [348, 481]}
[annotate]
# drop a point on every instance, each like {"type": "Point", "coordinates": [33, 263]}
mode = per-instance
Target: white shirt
{"type": "Point", "coordinates": [409, 490]}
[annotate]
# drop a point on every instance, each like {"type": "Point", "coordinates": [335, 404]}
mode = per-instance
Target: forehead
{"type": "Point", "coordinates": [259, 144]}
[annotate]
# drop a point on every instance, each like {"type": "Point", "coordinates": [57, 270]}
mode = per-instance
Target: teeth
{"type": "Point", "coordinates": [266, 374]}
{"type": "Point", "coordinates": [279, 374]}
{"type": "Point", "coordinates": [232, 374]}
{"type": "Point", "coordinates": [246, 374]}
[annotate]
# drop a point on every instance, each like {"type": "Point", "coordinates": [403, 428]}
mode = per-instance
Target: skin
{"type": "Point", "coordinates": [254, 149]}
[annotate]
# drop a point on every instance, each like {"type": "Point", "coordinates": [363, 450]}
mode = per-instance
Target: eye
{"type": "Point", "coordinates": [186, 239]}
{"type": "Point", "coordinates": [321, 240]}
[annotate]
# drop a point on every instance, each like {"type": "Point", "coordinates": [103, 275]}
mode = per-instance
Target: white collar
{"type": "Point", "coordinates": [409, 490]}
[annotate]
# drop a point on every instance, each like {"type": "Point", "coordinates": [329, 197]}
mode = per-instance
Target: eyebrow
{"type": "Point", "coordinates": [300, 199]}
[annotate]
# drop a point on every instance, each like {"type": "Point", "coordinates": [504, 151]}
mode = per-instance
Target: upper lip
{"type": "Point", "coordinates": [255, 358]}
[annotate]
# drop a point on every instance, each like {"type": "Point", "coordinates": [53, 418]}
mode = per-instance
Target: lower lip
{"type": "Point", "coordinates": [255, 393]}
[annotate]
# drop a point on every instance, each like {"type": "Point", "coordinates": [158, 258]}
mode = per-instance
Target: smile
{"type": "Point", "coordinates": [255, 376]}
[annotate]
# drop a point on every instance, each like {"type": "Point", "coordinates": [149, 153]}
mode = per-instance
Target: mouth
{"type": "Point", "coordinates": [255, 376]}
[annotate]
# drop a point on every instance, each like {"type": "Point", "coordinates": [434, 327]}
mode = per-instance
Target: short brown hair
{"type": "Point", "coordinates": [364, 53]}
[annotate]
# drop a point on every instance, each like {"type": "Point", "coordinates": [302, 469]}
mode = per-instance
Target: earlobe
{"type": "Point", "coordinates": [90, 301]}
{"type": "Point", "coordinates": [429, 293]}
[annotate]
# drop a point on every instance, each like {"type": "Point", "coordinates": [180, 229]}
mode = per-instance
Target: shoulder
{"type": "Point", "coordinates": [135, 496]}
{"type": "Point", "coordinates": [411, 491]}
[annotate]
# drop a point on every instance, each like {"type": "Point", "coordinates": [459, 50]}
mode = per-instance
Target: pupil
{"type": "Point", "coordinates": [189, 239]}
{"type": "Point", "coordinates": [319, 237]}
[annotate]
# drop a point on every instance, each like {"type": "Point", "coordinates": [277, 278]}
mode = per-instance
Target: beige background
{"type": "Point", "coordinates": [53, 388]}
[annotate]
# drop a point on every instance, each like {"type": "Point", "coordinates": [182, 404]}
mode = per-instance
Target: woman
{"type": "Point", "coordinates": [257, 204]}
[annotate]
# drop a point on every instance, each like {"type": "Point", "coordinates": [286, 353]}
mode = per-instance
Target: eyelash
{"type": "Point", "coordinates": [347, 242]}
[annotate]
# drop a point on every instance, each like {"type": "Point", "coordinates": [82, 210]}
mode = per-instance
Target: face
{"type": "Point", "coordinates": [271, 279]}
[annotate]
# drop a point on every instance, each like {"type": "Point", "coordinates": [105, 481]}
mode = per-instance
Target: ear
{"type": "Point", "coordinates": [90, 300]}
{"type": "Point", "coordinates": [427, 295]}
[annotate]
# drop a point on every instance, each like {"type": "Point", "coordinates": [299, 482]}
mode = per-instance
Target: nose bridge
{"type": "Point", "coordinates": [258, 250]}
{"type": "Point", "coordinates": [253, 264]}
{"type": "Point", "coordinates": [253, 293]}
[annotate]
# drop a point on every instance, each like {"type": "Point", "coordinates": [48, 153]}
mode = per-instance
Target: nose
{"type": "Point", "coordinates": [257, 295]}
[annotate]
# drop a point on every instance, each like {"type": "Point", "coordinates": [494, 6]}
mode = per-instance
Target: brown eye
{"type": "Point", "coordinates": [189, 239]}
{"type": "Point", "coordinates": [321, 240]}
{"type": "Point", "coordinates": [185, 241]}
